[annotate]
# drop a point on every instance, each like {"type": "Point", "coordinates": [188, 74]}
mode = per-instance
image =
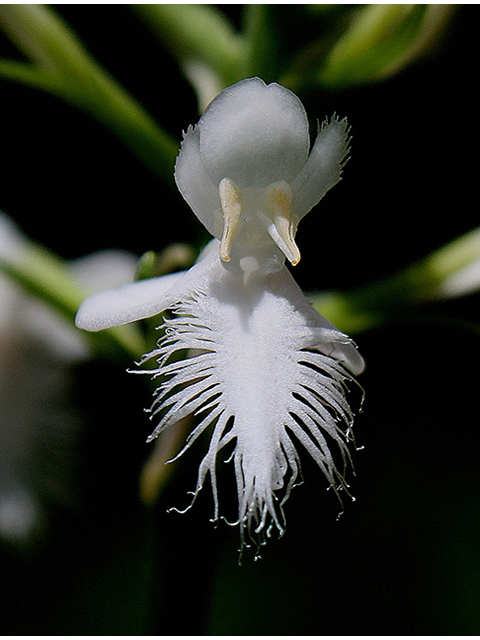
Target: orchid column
{"type": "Point", "coordinates": [265, 370]}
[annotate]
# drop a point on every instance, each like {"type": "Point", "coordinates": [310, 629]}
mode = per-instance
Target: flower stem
{"type": "Point", "coordinates": [60, 64]}
{"type": "Point", "coordinates": [262, 42]}
{"type": "Point", "coordinates": [197, 32]}
{"type": "Point", "coordinates": [375, 39]}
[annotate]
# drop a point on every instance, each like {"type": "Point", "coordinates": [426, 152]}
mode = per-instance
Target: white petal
{"type": "Point", "coordinates": [254, 134]}
{"type": "Point", "coordinates": [143, 299]}
{"type": "Point", "coordinates": [125, 304]}
{"type": "Point", "coordinates": [194, 183]}
{"type": "Point", "coordinates": [323, 168]}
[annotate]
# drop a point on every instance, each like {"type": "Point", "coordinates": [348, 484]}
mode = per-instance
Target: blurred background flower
{"type": "Point", "coordinates": [94, 101]}
{"type": "Point", "coordinates": [41, 425]}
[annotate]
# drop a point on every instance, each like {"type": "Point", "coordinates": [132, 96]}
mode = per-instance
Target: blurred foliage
{"type": "Point", "coordinates": [383, 255]}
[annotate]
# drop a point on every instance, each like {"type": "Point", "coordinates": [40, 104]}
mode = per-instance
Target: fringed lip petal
{"type": "Point", "coordinates": [257, 378]}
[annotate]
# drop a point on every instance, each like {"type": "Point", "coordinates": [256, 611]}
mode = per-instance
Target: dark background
{"type": "Point", "coordinates": [405, 557]}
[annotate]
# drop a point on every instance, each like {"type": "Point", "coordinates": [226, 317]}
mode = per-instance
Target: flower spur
{"type": "Point", "coordinates": [265, 371]}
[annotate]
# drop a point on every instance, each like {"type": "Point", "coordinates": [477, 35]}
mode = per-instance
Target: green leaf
{"type": "Point", "coordinates": [377, 37]}
{"type": "Point", "coordinates": [366, 43]}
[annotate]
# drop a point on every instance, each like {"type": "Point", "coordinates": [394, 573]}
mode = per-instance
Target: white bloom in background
{"type": "Point", "coordinates": [265, 370]}
{"type": "Point", "coordinates": [39, 429]}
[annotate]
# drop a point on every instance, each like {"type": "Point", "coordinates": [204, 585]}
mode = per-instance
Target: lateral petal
{"type": "Point", "coordinates": [323, 168]}
{"type": "Point", "coordinates": [194, 183]}
{"type": "Point", "coordinates": [125, 304]}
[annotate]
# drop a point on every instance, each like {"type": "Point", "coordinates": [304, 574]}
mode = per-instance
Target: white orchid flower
{"type": "Point", "coordinates": [265, 370]}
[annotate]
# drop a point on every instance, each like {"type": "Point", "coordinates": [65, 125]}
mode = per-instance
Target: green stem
{"type": "Point", "coordinates": [29, 74]}
{"type": "Point", "coordinates": [197, 32]}
{"type": "Point", "coordinates": [113, 107]}
{"type": "Point", "coordinates": [377, 36]}
{"type": "Point", "coordinates": [61, 65]}
{"type": "Point", "coordinates": [262, 41]}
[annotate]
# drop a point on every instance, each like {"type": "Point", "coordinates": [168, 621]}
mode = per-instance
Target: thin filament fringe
{"type": "Point", "coordinates": [314, 412]}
